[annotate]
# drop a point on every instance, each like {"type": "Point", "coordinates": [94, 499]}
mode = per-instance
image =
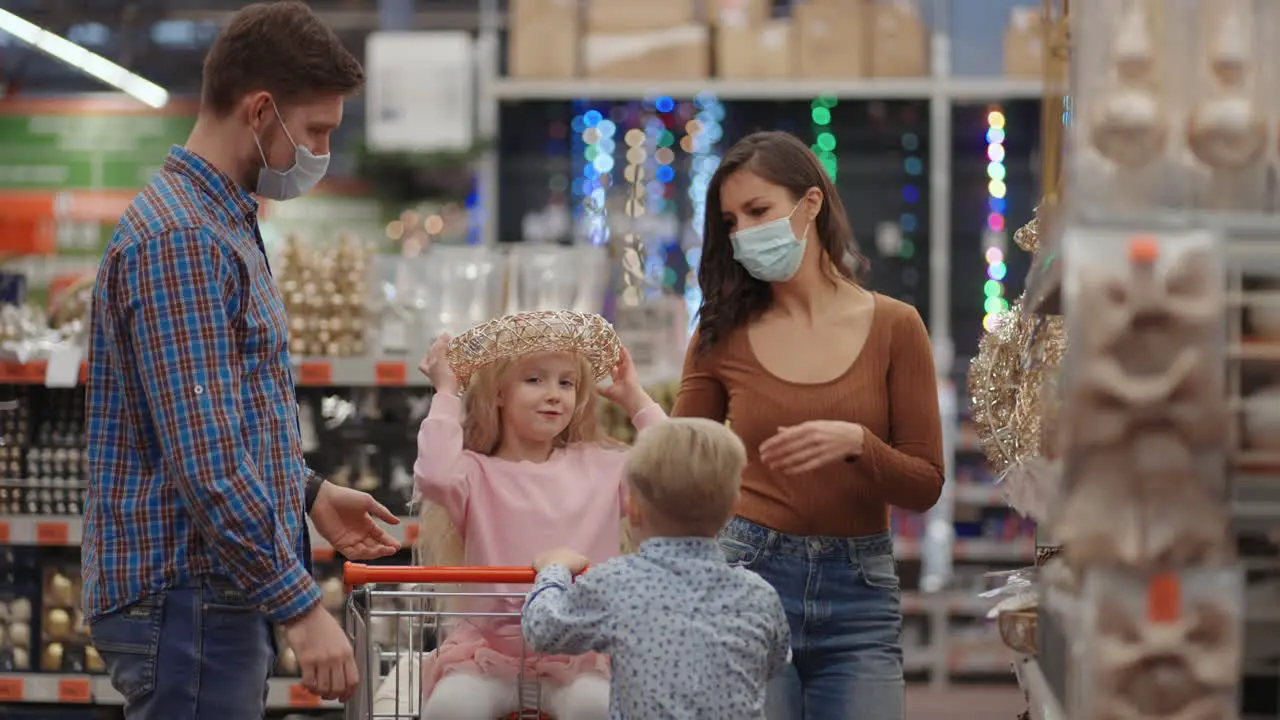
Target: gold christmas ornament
{"type": "Point", "coordinates": [538, 331]}
{"type": "Point", "coordinates": [20, 634]}
{"type": "Point", "coordinates": [1027, 237]}
{"type": "Point", "coordinates": [288, 662]}
{"type": "Point", "coordinates": [51, 660]}
{"type": "Point", "coordinates": [331, 595]}
{"type": "Point", "coordinates": [93, 661]}
{"type": "Point", "coordinates": [326, 296]}
{"type": "Point", "coordinates": [60, 590]}
{"type": "Point", "coordinates": [57, 625]}
{"type": "Point", "coordinates": [20, 610]}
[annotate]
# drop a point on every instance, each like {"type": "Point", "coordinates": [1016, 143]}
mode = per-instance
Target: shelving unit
{"type": "Point", "coordinates": [72, 689]}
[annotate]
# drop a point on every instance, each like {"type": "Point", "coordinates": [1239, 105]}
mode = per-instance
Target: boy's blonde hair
{"type": "Point", "coordinates": [688, 471]}
{"type": "Point", "coordinates": [439, 541]}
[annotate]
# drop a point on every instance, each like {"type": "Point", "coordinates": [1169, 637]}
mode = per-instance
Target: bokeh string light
{"type": "Point", "coordinates": [994, 242]}
{"type": "Point", "coordinates": [596, 133]}
{"type": "Point", "coordinates": [557, 146]}
{"type": "Point", "coordinates": [824, 141]}
{"type": "Point", "coordinates": [702, 145]}
{"type": "Point", "coordinates": [659, 172]}
{"type": "Point", "coordinates": [909, 219]}
{"type": "Point", "coordinates": [635, 176]}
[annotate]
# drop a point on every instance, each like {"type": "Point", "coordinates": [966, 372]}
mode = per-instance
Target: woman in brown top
{"type": "Point", "coordinates": [832, 389]}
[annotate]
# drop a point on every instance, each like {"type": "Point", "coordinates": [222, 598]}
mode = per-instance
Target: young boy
{"type": "Point", "coordinates": [689, 635]}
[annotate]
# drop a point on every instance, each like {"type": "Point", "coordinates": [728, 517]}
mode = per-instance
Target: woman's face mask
{"type": "Point", "coordinates": [771, 251]}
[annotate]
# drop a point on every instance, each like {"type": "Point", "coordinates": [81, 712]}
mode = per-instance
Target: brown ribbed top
{"type": "Point", "coordinates": [890, 389]}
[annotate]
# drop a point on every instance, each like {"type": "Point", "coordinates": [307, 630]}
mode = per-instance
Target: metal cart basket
{"type": "Point", "coordinates": [394, 613]}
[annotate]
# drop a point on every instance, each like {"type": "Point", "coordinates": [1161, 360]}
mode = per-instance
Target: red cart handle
{"type": "Point", "coordinates": [357, 574]}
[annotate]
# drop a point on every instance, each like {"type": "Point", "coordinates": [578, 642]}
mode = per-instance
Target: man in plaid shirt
{"type": "Point", "coordinates": [195, 541]}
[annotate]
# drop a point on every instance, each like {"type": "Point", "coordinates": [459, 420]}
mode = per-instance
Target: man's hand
{"type": "Point", "coordinates": [345, 518]}
{"type": "Point", "coordinates": [576, 562]}
{"type": "Point", "coordinates": [324, 654]}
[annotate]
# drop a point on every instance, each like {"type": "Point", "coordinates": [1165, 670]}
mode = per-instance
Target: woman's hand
{"type": "Point", "coordinates": [810, 445]}
{"type": "Point", "coordinates": [436, 366]}
{"type": "Point", "coordinates": [625, 388]}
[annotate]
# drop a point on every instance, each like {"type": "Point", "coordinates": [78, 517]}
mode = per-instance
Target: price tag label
{"type": "Point", "coordinates": [300, 697]}
{"type": "Point", "coordinates": [63, 369]}
{"type": "Point", "coordinates": [391, 373]}
{"type": "Point", "coordinates": [34, 372]}
{"type": "Point", "coordinates": [11, 690]}
{"type": "Point", "coordinates": [53, 533]}
{"type": "Point", "coordinates": [5, 536]}
{"type": "Point", "coordinates": [315, 373]}
{"type": "Point", "coordinates": [74, 690]}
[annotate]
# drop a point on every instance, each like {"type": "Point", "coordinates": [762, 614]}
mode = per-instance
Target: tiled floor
{"type": "Point", "coordinates": [998, 702]}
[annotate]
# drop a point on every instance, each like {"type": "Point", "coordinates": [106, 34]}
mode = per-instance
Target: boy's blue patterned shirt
{"type": "Point", "coordinates": [195, 459]}
{"type": "Point", "coordinates": [689, 636]}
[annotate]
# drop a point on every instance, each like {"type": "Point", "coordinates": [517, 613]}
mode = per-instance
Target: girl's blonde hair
{"type": "Point", "coordinates": [439, 542]}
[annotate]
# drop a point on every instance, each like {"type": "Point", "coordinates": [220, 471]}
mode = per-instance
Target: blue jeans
{"type": "Point", "coordinates": [844, 606]}
{"type": "Point", "coordinates": [196, 652]}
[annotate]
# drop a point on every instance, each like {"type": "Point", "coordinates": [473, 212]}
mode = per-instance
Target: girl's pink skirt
{"type": "Point", "coordinates": [495, 651]}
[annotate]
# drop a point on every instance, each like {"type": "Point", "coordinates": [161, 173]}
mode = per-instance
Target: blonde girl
{"type": "Point", "coordinates": [515, 466]}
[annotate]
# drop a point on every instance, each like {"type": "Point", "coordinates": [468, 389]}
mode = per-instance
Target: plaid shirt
{"type": "Point", "coordinates": [195, 459]}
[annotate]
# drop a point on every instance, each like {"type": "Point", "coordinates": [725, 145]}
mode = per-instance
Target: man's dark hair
{"type": "Point", "coordinates": [280, 47]}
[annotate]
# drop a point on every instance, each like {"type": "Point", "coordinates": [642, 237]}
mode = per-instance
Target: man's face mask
{"type": "Point", "coordinates": [307, 170]}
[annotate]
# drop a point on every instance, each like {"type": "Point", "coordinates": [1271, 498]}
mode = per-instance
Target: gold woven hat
{"type": "Point", "coordinates": [536, 331]}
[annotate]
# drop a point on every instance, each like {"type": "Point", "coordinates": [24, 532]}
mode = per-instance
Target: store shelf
{"type": "Point", "coordinates": [981, 494]}
{"type": "Point", "coordinates": [1043, 704]}
{"type": "Point", "coordinates": [956, 89]}
{"type": "Point", "coordinates": [357, 372]}
{"type": "Point", "coordinates": [283, 693]}
{"type": "Point", "coordinates": [68, 531]}
{"type": "Point", "coordinates": [310, 372]}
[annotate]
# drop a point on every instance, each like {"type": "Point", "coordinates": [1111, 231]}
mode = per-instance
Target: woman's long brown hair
{"type": "Point", "coordinates": [730, 296]}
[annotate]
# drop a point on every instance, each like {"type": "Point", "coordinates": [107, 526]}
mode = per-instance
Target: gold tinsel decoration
{"type": "Point", "coordinates": [994, 378]}
{"type": "Point", "coordinates": [1011, 389]}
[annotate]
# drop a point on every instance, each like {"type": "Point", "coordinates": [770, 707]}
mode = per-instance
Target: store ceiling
{"type": "Point", "coordinates": [165, 40]}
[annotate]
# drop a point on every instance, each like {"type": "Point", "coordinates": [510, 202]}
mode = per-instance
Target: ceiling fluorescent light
{"type": "Point", "coordinates": [78, 57]}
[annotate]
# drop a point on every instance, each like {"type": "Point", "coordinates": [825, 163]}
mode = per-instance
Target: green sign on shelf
{"type": "Point", "coordinates": [92, 152]}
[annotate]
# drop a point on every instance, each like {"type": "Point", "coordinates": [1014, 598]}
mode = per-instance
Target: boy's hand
{"type": "Point", "coordinates": [576, 562]}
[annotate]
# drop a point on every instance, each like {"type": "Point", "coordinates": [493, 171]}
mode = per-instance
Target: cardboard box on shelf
{"type": "Point", "coordinates": [739, 12]}
{"type": "Point", "coordinates": [830, 41]}
{"type": "Point", "coordinates": [754, 52]}
{"type": "Point", "coordinates": [677, 53]}
{"type": "Point", "coordinates": [543, 40]}
{"type": "Point", "coordinates": [1024, 44]}
{"type": "Point", "coordinates": [899, 40]}
{"type": "Point", "coordinates": [622, 16]}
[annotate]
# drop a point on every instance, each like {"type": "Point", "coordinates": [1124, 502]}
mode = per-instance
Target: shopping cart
{"type": "Point", "coordinates": [412, 609]}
